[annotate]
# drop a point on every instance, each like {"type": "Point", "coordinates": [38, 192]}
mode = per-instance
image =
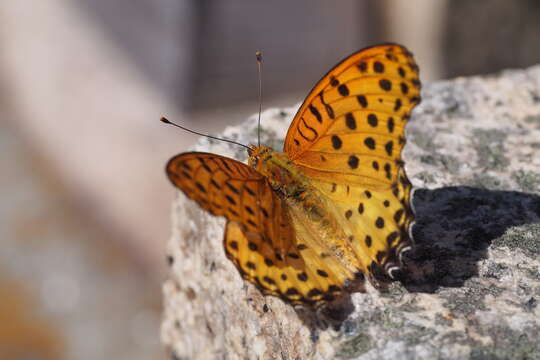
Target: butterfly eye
{"type": "Point", "coordinates": [250, 152]}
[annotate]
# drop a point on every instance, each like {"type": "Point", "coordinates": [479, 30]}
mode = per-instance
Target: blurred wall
{"type": "Point", "coordinates": [158, 37]}
{"type": "Point", "coordinates": [297, 38]}
{"type": "Point", "coordinates": [486, 36]}
{"type": "Point", "coordinates": [201, 53]}
{"type": "Point", "coordinates": [419, 25]}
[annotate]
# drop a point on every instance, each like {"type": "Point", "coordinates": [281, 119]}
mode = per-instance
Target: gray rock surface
{"type": "Point", "coordinates": [472, 286]}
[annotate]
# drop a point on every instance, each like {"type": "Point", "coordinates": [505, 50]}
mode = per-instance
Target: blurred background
{"type": "Point", "coordinates": [84, 215]}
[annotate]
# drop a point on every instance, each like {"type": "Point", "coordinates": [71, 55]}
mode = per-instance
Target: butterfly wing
{"type": "Point", "coordinates": [376, 221]}
{"type": "Point", "coordinates": [353, 121]}
{"type": "Point", "coordinates": [261, 238]}
{"type": "Point", "coordinates": [298, 275]}
{"type": "Point", "coordinates": [220, 185]}
{"type": "Point", "coordinates": [347, 138]}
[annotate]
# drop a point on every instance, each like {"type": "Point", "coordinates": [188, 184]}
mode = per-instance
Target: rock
{"type": "Point", "coordinates": [472, 285]}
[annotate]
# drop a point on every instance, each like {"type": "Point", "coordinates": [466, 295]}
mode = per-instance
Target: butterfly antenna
{"type": "Point", "coordinates": [167, 121]}
{"type": "Point", "coordinates": [258, 56]}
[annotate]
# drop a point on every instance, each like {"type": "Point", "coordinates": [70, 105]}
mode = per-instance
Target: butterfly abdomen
{"type": "Point", "coordinates": [314, 211]}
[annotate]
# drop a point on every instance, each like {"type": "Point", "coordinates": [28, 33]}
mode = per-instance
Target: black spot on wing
{"type": "Point", "coordinates": [336, 142]}
{"type": "Point", "coordinates": [343, 90]}
{"type": "Point", "coordinates": [185, 165]}
{"type": "Point", "coordinates": [350, 121]}
{"type": "Point", "coordinates": [390, 124]}
{"type": "Point", "coordinates": [368, 241]}
{"type": "Point", "coordinates": [372, 120]}
{"type": "Point", "coordinates": [378, 67]}
{"type": "Point", "coordinates": [308, 133]}
{"type": "Point", "coordinates": [302, 276]}
{"type": "Point", "coordinates": [226, 165]}
{"type": "Point", "coordinates": [200, 187]}
{"type": "Point", "coordinates": [353, 161]}
{"type": "Point", "coordinates": [230, 199]}
{"type": "Point", "coordinates": [329, 111]}
{"type": "Point", "coordinates": [385, 84]}
{"type": "Point", "coordinates": [264, 212]}
{"type": "Point", "coordinates": [322, 273]}
{"type": "Point", "coordinates": [186, 175]}
{"type": "Point", "coordinates": [249, 191]}
{"type": "Point", "coordinates": [404, 88]}
{"type": "Point", "coordinates": [362, 66]}
{"type": "Point", "coordinates": [362, 100]}
{"type": "Point", "coordinates": [232, 188]}
{"type": "Point", "coordinates": [215, 184]}
{"type": "Point", "coordinates": [315, 113]}
{"type": "Point", "coordinates": [388, 147]}
{"type": "Point", "coordinates": [397, 105]}
{"type": "Point", "coordinates": [268, 262]}
{"type": "Point", "coordinates": [328, 108]}
{"type": "Point", "coordinates": [398, 215]}
{"type": "Point", "coordinates": [370, 143]}
{"type": "Point", "coordinates": [291, 291]}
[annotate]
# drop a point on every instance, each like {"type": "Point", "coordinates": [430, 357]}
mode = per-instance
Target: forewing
{"type": "Point", "coordinates": [222, 186]}
{"type": "Point", "coordinates": [351, 127]}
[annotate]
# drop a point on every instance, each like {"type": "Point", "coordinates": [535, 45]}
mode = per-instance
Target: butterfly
{"type": "Point", "coordinates": [311, 223]}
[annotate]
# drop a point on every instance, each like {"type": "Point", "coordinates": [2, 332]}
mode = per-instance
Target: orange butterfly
{"type": "Point", "coordinates": [309, 224]}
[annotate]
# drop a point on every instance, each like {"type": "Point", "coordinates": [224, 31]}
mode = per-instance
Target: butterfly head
{"type": "Point", "coordinates": [259, 155]}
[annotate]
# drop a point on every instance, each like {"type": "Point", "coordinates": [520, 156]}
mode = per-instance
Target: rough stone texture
{"type": "Point", "coordinates": [472, 287]}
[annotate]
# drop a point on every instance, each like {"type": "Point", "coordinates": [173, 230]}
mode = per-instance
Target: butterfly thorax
{"type": "Point", "coordinates": [288, 181]}
{"type": "Point", "coordinates": [279, 170]}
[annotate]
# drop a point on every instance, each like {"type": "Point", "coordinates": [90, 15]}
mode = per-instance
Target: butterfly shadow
{"type": "Point", "coordinates": [332, 314]}
{"type": "Point", "coordinates": [454, 227]}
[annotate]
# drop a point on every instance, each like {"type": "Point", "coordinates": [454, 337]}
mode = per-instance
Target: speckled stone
{"type": "Point", "coordinates": [472, 285]}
